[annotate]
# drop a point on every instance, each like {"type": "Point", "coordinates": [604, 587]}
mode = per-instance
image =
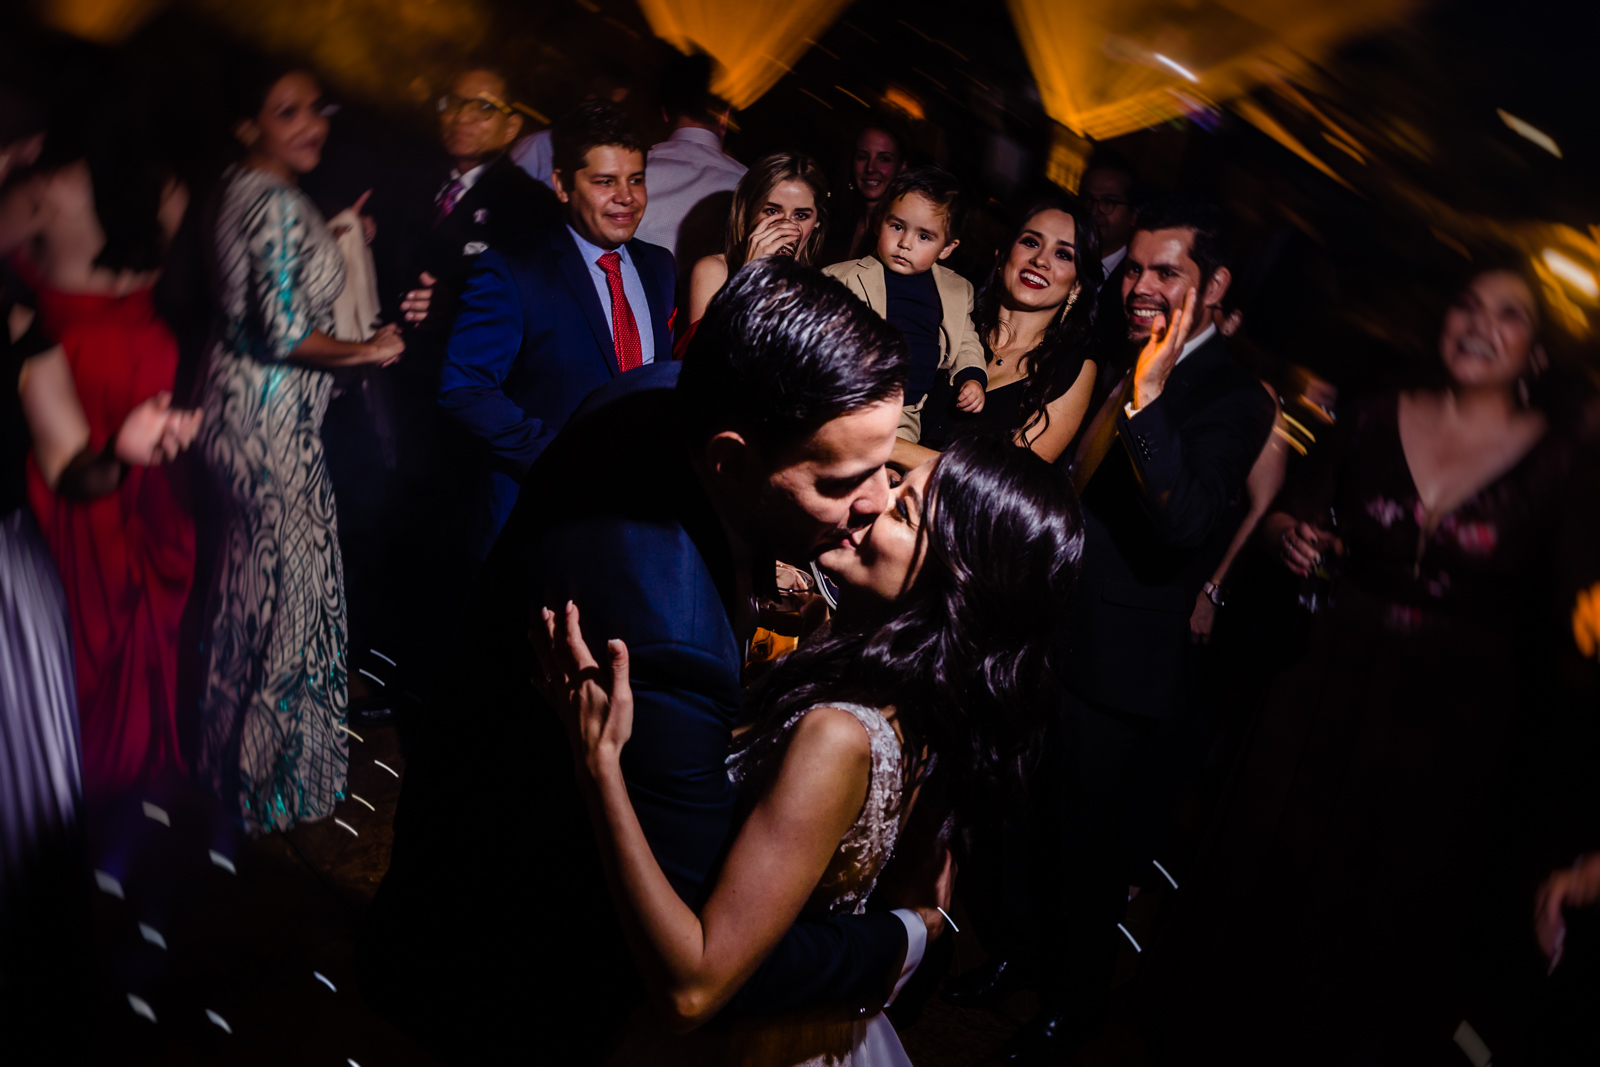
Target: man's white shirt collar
{"type": "Point", "coordinates": [469, 179]}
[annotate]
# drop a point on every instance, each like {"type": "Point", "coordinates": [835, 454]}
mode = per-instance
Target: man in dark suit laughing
{"type": "Point", "coordinates": [1161, 471]}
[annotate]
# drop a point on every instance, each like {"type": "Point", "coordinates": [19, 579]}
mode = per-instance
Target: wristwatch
{"type": "Point", "coordinates": [1213, 593]}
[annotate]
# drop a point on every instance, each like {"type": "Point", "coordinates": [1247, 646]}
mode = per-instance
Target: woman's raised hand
{"type": "Point", "coordinates": [771, 235]}
{"type": "Point", "coordinates": [595, 703]}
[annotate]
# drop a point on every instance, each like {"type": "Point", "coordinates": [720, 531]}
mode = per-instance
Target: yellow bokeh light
{"type": "Point", "coordinates": [755, 44]}
{"type": "Point", "coordinates": [1107, 67]}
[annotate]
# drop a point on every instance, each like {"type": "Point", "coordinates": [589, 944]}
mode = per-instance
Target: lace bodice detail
{"type": "Point", "coordinates": [870, 841]}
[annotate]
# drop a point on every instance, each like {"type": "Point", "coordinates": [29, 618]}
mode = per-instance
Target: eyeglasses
{"type": "Point", "coordinates": [1109, 203]}
{"type": "Point", "coordinates": [478, 107]}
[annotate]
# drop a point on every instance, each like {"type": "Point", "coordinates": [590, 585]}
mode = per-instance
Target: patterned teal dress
{"type": "Point", "coordinates": [274, 700]}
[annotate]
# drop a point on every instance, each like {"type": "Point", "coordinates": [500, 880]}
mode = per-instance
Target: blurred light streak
{"type": "Point", "coordinates": [755, 44]}
{"type": "Point", "coordinates": [108, 885]}
{"type": "Point", "coordinates": [153, 936]}
{"type": "Point", "coordinates": [904, 102]}
{"type": "Point", "coordinates": [817, 98]}
{"type": "Point", "coordinates": [347, 826]}
{"type": "Point", "coordinates": [1129, 936]}
{"type": "Point", "coordinates": [1103, 66]}
{"type": "Point", "coordinates": [1529, 132]}
{"type": "Point", "coordinates": [141, 1006]}
{"type": "Point", "coordinates": [1164, 873]}
{"type": "Point", "coordinates": [1180, 68]}
{"type": "Point", "coordinates": [319, 976]}
{"type": "Point", "coordinates": [358, 800]}
{"type": "Point", "coordinates": [1256, 116]}
{"type": "Point", "coordinates": [156, 814]}
{"type": "Point", "coordinates": [369, 674]}
{"type": "Point", "coordinates": [374, 651]}
{"type": "Point", "coordinates": [1571, 273]}
{"type": "Point", "coordinates": [852, 96]}
{"type": "Point", "coordinates": [386, 767]}
{"type": "Point", "coordinates": [1586, 622]}
{"type": "Point", "coordinates": [1346, 149]}
{"type": "Point", "coordinates": [219, 1020]}
{"type": "Point", "coordinates": [224, 862]}
{"type": "Point", "coordinates": [351, 732]}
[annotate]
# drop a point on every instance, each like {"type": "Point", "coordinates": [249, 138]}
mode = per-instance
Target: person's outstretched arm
{"type": "Point", "coordinates": [695, 964]}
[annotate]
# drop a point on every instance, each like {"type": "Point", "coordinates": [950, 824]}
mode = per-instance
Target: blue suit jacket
{"type": "Point", "coordinates": [612, 517]}
{"type": "Point", "coordinates": [530, 342]}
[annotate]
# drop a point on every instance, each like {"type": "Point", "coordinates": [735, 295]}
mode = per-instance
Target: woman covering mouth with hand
{"type": "Point", "coordinates": [1034, 313]}
{"type": "Point", "coordinates": [778, 210]}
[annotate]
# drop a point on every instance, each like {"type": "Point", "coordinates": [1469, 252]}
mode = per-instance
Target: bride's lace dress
{"type": "Point", "coordinates": [839, 1038]}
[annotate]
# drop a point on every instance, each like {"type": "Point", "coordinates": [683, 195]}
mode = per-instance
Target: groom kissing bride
{"type": "Point", "coordinates": [711, 865]}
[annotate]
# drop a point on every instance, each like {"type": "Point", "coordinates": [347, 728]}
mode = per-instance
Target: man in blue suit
{"type": "Point", "coordinates": [660, 509]}
{"type": "Point", "coordinates": [544, 322]}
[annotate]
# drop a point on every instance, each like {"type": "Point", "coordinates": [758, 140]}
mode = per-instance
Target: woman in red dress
{"type": "Point", "coordinates": [95, 220]}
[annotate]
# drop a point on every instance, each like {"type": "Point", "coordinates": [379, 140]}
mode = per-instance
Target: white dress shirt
{"type": "Point", "coordinates": [632, 288]}
{"type": "Point", "coordinates": [536, 155]}
{"type": "Point", "coordinates": [679, 173]}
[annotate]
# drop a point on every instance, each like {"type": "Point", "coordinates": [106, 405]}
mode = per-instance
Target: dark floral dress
{"type": "Point", "coordinates": [1328, 920]}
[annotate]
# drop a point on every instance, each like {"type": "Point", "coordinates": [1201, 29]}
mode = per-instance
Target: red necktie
{"type": "Point", "coordinates": [624, 330]}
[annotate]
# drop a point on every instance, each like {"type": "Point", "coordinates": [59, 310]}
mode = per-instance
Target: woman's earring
{"type": "Point", "coordinates": [1072, 297]}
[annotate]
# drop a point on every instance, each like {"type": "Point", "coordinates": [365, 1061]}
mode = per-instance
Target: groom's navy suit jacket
{"type": "Point", "coordinates": [530, 342]}
{"type": "Point", "coordinates": [612, 517]}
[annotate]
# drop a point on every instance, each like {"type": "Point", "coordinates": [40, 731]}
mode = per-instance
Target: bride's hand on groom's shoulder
{"type": "Point", "coordinates": [595, 703]}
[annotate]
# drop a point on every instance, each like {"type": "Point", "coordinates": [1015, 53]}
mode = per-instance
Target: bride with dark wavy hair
{"type": "Point", "coordinates": [932, 680]}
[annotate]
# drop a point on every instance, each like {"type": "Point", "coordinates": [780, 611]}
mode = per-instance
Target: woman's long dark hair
{"type": "Point", "coordinates": [1053, 364]}
{"type": "Point", "coordinates": [963, 655]}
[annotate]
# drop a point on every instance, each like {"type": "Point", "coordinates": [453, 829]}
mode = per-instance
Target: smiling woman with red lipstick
{"type": "Point", "coordinates": [274, 697]}
{"type": "Point", "coordinates": [1034, 318]}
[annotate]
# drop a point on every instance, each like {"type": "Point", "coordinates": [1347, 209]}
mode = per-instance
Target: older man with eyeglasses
{"type": "Point", "coordinates": [483, 201]}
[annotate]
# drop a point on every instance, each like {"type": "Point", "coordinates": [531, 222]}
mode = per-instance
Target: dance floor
{"type": "Point", "coordinates": [213, 948]}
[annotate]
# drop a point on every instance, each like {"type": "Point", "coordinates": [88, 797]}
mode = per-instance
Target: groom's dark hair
{"type": "Point", "coordinates": [783, 349]}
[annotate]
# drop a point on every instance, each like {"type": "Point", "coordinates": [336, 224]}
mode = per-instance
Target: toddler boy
{"type": "Point", "coordinates": [918, 223]}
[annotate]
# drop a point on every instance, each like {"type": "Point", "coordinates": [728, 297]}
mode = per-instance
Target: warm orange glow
{"type": "Point", "coordinates": [1586, 621]}
{"type": "Point", "coordinates": [380, 49]}
{"type": "Point", "coordinates": [904, 102]}
{"type": "Point", "coordinates": [756, 44]}
{"type": "Point", "coordinates": [1108, 67]}
{"type": "Point", "coordinates": [104, 21]}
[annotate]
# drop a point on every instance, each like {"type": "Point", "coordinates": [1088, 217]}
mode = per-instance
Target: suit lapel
{"type": "Point", "coordinates": [576, 271]}
{"type": "Point", "coordinates": [873, 287]}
